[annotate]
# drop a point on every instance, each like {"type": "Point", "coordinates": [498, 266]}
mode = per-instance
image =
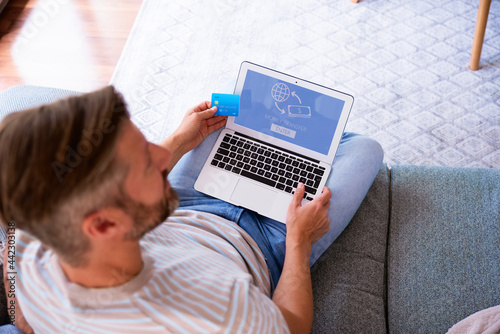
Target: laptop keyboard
{"type": "Point", "coordinates": [268, 165]}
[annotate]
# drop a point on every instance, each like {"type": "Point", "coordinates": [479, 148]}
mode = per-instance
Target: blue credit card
{"type": "Point", "coordinates": [227, 104]}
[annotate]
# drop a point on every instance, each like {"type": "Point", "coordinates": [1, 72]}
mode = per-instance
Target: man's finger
{"type": "Point", "coordinates": [217, 125]}
{"type": "Point", "coordinates": [299, 194]}
{"type": "Point", "coordinates": [326, 193]}
{"type": "Point", "coordinates": [325, 196]}
{"type": "Point", "coordinates": [216, 119]}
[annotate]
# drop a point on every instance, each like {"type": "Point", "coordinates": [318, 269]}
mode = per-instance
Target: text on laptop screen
{"type": "Point", "coordinates": [289, 112]}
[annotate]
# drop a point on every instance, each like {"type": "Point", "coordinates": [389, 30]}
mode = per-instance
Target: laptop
{"type": "Point", "coordinates": [288, 131]}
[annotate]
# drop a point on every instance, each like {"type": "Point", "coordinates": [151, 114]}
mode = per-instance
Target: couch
{"type": "Point", "coordinates": [421, 253]}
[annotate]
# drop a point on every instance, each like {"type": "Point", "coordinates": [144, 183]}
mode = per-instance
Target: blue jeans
{"type": "Point", "coordinates": [356, 164]}
{"type": "Point", "coordinates": [9, 329]}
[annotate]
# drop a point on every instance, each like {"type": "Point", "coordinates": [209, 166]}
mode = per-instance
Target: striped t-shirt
{"type": "Point", "coordinates": [201, 274]}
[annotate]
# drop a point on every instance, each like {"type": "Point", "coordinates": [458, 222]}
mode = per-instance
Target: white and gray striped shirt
{"type": "Point", "coordinates": [201, 274]}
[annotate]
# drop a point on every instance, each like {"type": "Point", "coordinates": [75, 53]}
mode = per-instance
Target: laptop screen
{"type": "Point", "coordinates": [289, 112]}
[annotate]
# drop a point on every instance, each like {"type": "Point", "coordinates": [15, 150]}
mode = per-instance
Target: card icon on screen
{"type": "Point", "coordinates": [299, 111]}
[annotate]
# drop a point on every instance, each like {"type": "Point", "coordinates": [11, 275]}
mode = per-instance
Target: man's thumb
{"type": "Point", "coordinates": [209, 112]}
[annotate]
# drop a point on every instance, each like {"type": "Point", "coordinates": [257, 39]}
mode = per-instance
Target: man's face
{"type": "Point", "coordinates": [146, 194]}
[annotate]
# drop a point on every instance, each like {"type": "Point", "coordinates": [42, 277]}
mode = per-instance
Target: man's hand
{"type": "Point", "coordinates": [305, 225]}
{"type": "Point", "coordinates": [197, 124]}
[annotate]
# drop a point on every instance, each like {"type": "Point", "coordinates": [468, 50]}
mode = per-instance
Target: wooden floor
{"type": "Point", "coordinates": [72, 44]}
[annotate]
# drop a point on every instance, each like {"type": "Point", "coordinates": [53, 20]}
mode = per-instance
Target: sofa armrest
{"type": "Point", "coordinates": [22, 97]}
{"type": "Point", "coordinates": [444, 246]}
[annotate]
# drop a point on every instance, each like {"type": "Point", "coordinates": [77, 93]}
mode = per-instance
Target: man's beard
{"type": "Point", "coordinates": [148, 217]}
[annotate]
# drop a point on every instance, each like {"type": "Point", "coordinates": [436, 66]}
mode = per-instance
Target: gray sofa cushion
{"type": "Point", "coordinates": [444, 246]}
{"type": "Point", "coordinates": [348, 279]}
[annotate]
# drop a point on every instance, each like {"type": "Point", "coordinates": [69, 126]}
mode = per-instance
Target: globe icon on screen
{"type": "Point", "coordinates": [280, 92]}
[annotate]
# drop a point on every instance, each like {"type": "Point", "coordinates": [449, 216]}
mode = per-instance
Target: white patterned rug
{"type": "Point", "coordinates": [405, 62]}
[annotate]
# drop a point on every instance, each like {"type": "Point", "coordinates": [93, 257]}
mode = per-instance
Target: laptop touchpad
{"type": "Point", "coordinates": [253, 196]}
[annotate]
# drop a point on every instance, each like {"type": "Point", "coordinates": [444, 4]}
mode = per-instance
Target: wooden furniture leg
{"type": "Point", "coordinates": [477, 45]}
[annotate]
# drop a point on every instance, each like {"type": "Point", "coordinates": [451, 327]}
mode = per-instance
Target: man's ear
{"type": "Point", "coordinates": [105, 223]}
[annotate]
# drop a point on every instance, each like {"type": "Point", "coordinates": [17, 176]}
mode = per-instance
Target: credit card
{"type": "Point", "coordinates": [227, 104]}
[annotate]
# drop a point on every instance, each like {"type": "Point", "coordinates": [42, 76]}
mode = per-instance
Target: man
{"type": "Point", "coordinates": [95, 252]}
